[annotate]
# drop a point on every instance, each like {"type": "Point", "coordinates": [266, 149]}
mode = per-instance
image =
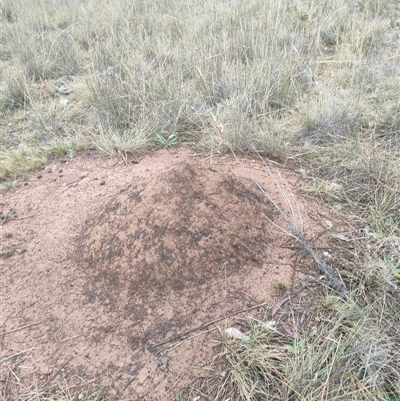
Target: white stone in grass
{"type": "Point", "coordinates": [270, 325]}
{"type": "Point", "coordinates": [237, 334]}
{"type": "Point", "coordinates": [64, 90]}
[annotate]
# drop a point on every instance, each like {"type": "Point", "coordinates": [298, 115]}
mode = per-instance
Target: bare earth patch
{"type": "Point", "coordinates": [112, 274]}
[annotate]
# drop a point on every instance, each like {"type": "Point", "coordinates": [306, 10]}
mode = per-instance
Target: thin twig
{"type": "Point", "coordinates": [18, 353]}
{"type": "Point", "coordinates": [13, 373]}
{"type": "Point", "coordinates": [20, 328]}
{"type": "Point", "coordinates": [26, 217]}
{"type": "Point", "coordinates": [58, 370]}
{"type": "Point", "coordinates": [331, 275]}
{"type": "Point", "coordinates": [69, 338]}
{"type": "Point", "coordinates": [181, 337]}
{"type": "Point", "coordinates": [171, 347]}
{"type": "Point", "coordinates": [177, 382]}
{"type": "Point", "coordinates": [15, 262]}
{"type": "Point", "coordinates": [281, 302]}
{"type": "Point", "coordinates": [130, 381]}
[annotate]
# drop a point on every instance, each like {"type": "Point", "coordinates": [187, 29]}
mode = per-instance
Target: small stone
{"type": "Point", "coordinates": [60, 170]}
{"type": "Point", "coordinates": [83, 175]}
{"type": "Point", "coordinates": [64, 90]}
{"type": "Point", "coordinates": [39, 176]}
{"type": "Point", "coordinates": [46, 371]}
{"type": "Point", "coordinates": [102, 182]}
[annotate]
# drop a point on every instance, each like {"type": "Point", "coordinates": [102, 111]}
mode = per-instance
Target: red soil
{"type": "Point", "coordinates": [110, 273]}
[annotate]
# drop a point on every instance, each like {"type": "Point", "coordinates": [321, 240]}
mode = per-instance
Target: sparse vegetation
{"type": "Point", "coordinates": [281, 287]}
{"type": "Point", "coordinates": [6, 253]}
{"type": "Point", "coordinates": [342, 357]}
{"type": "Point", "coordinates": [8, 184]}
{"type": "Point", "coordinates": [315, 84]}
{"type": "Point", "coordinates": [167, 142]}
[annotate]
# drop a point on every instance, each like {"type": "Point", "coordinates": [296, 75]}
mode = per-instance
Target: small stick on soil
{"type": "Point", "coordinates": [248, 295]}
{"type": "Point", "coordinates": [69, 338]}
{"type": "Point", "coordinates": [20, 328]}
{"type": "Point", "coordinates": [177, 382]}
{"type": "Point", "coordinates": [281, 302]}
{"type": "Point", "coordinates": [15, 262]}
{"type": "Point", "coordinates": [181, 337]}
{"type": "Point", "coordinates": [58, 370]}
{"type": "Point", "coordinates": [26, 217]}
{"type": "Point", "coordinates": [332, 276]}
{"type": "Point", "coordinates": [319, 248]}
{"type": "Point", "coordinates": [128, 384]}
{"type": "Point", "coordinates": [13, 373]}
{"type": "Point", "coordinates": [177, 344]}
{"type": "Point", "coordinates": [18, 353]}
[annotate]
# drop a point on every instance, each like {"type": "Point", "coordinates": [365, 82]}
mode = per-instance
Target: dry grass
{"type": "Point", "coordinates": [312, 83]}
{"type": "Point", "coordinates": [340, 354]}
{"type": "Point", "coordinates": [54, 390]}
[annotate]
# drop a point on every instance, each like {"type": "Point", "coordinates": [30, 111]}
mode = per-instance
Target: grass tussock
{"type": "Point", "coordinates": [272, 74]}
{"type": "Point", "coordinates": [341, 354]}
{"type": "Point", "coordinates": [314, 84]}
{"type": "Point", "coordinates": [246, 65]}
{"type": "Point", "coordinates": [15, 92]}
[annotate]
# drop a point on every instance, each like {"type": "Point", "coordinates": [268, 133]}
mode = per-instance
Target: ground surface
{"type": "Point", "coordinates": [107, 266]}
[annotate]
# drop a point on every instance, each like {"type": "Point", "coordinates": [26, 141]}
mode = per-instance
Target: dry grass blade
{"type": "Point", "coordinates": [340, 355]}
{"type": "Point", "coordinates": [281, 302]}
{"type": "Point", "coordinates": [331, 275]}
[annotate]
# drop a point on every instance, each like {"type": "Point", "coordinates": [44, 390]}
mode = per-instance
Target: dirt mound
{"type": "Point", "coordinates": [171, 237]}
{"type": "Point", "coordinates": [121, 263]}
